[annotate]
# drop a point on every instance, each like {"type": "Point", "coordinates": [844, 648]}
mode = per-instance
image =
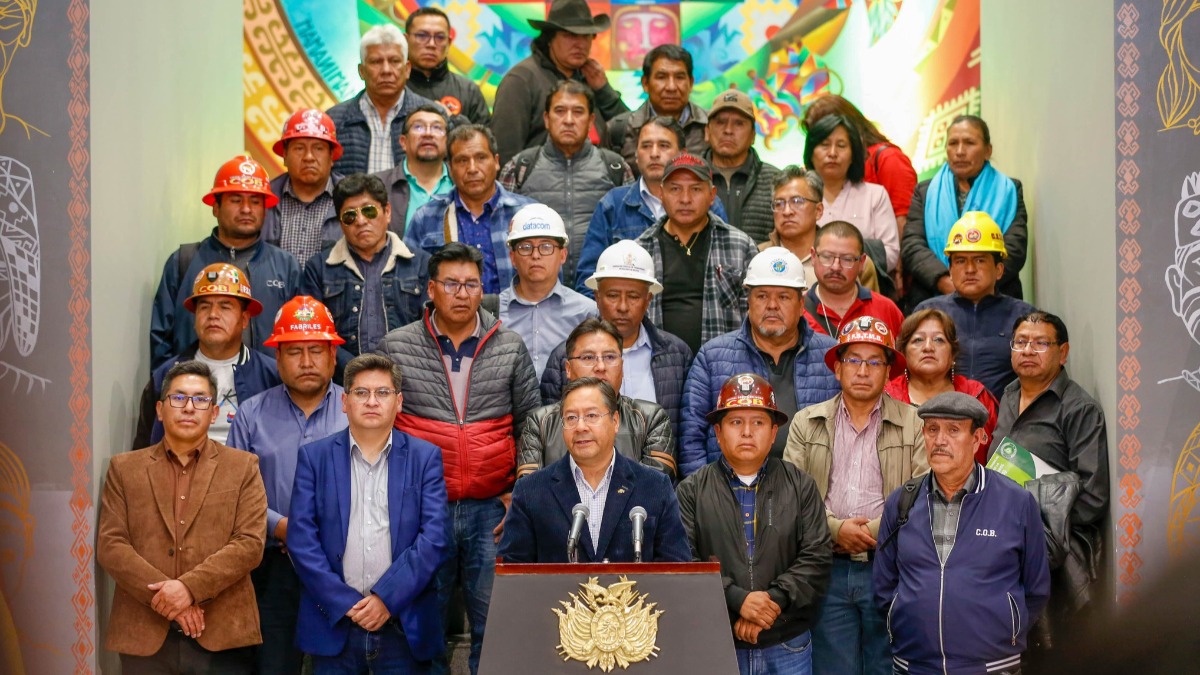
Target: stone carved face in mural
{"type": "Point", "coordinates": [1183, 278]}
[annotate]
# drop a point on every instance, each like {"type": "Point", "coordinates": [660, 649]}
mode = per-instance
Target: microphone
{"type": "Point", "coordinates": [638, 515]}
{"type": "Point", "coordinates": [579, 516]}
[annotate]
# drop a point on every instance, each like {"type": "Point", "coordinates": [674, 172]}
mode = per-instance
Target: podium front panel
{"type": "Point", "coordinates": [693, 634]}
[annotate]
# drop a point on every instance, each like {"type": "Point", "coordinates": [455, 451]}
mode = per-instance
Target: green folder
{"type": "Point", "coordinates": [1013, 461]}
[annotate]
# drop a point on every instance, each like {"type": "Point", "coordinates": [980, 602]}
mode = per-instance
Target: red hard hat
{"type": "Point", "coordinates": [242, 174]}
{"type": "Point", "coordinates": [301, 319]}
{"type": "Point", "coordinates": [310, 123]}
{"type": "Point", "coordinates": [746, 391]}
{"type": "Point", "coordinates": [867, 330]}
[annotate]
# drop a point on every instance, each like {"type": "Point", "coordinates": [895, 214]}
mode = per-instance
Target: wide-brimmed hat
{"type": "Point", "coordinates": [573, 16]}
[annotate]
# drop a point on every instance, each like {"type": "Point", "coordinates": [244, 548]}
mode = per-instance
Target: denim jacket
{"type": "Point", "coordinates": [333, 278]}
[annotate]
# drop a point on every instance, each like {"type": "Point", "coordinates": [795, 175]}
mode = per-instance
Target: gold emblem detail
{"type": "Point", "coordinates": [608, 627]}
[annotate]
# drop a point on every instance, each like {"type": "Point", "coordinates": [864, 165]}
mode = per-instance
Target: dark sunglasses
{"type": "Point", "coordinates": [368, 211]}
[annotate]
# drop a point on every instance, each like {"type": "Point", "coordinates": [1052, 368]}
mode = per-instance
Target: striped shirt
{"type": "Point", "coordinates": [380, 158]}
{"type": "Point", "coordinates": [856, 479]}
{"type": "Point", "coordinates": [593, 499]}
{"type": "Point", "coordinates": [368, 551]}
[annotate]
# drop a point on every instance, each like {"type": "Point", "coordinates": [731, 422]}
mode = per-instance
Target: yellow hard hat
{"type": "Point", "coordinates": [976, 231]}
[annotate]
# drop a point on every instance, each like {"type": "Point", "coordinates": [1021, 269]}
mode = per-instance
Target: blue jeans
{"type": "Point", "coordinates": [850, 637]}
{"type": "Point", "coordinates": [791, 657]}
{"type": "Point", "coordinates": [384, 652]}
{"type": "Point", "coordinates": [472, 563]}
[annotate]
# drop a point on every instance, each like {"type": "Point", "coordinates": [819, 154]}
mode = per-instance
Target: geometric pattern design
{"type": "Point", "coordinates": [83, 599]}
{"type": "Point", "coordinates": [20, 257]}
{"type": "Point", "coordinates": [1129, 292]}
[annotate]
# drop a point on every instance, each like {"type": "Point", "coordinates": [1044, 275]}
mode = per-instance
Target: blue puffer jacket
{"type": "Point", "coordinates": [621, 214]}
{"type": "Point", "coordinates": [670, 359]}
{"type": "Point", "coordinates": [354, 133]}
{"type": "Point", "coordinates": [733, 353]}
{"type": "Point", "coordinates": [253, 373]}
{"type": "Point", "coordinates": [972, 614]}
{"type": "Point", "coordinates": [274, 279]}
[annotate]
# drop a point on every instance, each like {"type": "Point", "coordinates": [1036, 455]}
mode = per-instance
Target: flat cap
{"type": "Point", "coordinates": [954, 405]}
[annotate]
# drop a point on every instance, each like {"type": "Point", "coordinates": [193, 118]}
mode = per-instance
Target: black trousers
{"type": "Point", "coordinates": [278, 591]}
{"type": "Point", "coordinates": [181, 655]}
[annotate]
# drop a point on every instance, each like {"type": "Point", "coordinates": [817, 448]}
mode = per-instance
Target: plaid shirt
{"type": "Point", "coordinates": [380, 157]}
{"type": "Point", "coordinates": [945, 516]}
{"type": "Point", "coordinates": [302, 225]}
{"type": "Point", "coordinates": [729, 253]}
{"type": "Point", "coordinates": [747, 500]}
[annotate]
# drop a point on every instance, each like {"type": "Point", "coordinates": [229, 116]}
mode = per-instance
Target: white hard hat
{"type": "Point", "coordinates": [775, 266]}
{"type": "Point", "coordinates": [625, 260]}
{"type": "Point", "coordinates": [536, 220]}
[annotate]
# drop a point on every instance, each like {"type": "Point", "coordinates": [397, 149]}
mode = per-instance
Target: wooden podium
{"type": "Point", "coordinates": [693, 633]}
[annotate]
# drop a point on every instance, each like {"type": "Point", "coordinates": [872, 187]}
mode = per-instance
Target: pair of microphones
{"type": "Point", "coordinates": [579, 516]}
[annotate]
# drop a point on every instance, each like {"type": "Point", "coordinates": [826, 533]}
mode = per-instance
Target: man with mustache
{"type": "Point", "coordinates": [567, 172]}
{"type": "Point", "coordinates": [422, 174]}
{"type": "Point", "coordinates": [370, 122]}
{"type": "Point", "coordinates": [838, 297]}
{"type": "Point", "coordinates": [774, 342]}
{"type": "Point", "coordinates": [222, 305]}
{"type": "Point", "coordinates": [962, 574]}
{"type": "Point", "coordinates": [859, 446]}
{"type": "Point", "coordinates": [304, 220]}
{"type": "Point", "coordinates": [272, 426]}
{"type": "Point", "coordinates": [239, 198]}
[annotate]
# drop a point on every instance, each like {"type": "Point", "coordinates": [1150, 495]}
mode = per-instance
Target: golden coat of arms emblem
{"type": "Point", "coordinates": [608, 627]}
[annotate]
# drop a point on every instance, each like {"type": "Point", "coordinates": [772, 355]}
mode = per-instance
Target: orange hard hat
{"type": "Point", "coordinates": [242, 174]}
{"type": "Point", "coordinates": [746, 391]}
{"type": "Point", "coordinates": [869, 331]}
{"type": "Point", "coordinates": [223, 279]}
{"type": "Point", "coordinates": [309, 123]}
{"type": "Point", "coordinates": [303, 318]}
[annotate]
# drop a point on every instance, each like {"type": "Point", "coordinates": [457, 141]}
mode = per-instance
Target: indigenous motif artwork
{"type": "Point", "coordinates": [910, 65]}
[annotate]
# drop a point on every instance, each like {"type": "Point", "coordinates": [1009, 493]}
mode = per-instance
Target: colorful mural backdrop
{"type": "Point", "coordinates": [910, 65]}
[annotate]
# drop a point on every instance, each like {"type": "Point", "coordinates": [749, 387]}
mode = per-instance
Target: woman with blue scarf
{"type": "Point", "coordinates": [966, 182]}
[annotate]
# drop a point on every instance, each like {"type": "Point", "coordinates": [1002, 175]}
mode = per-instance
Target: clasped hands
{"type": "Point", "coordinates": [757, 614]}
{"type": "Point", "coordinates": [174, 602]}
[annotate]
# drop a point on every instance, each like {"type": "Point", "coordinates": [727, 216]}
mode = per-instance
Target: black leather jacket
{"type": "Point", "coordinates": [644, 436]}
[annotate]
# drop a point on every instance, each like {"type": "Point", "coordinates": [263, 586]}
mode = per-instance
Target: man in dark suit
{"type": "Point", "coordinates": [368, 531]}
{"type": "Point", "coordinates": [609, 484]}
{"type": "Point", "coordinates": [181, 526]}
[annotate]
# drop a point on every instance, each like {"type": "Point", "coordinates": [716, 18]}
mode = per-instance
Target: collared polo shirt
{"type": "Point", "coordinates": [458, 362]}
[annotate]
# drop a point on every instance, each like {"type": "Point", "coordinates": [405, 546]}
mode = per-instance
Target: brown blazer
{"type": "Point", "coordinates": [221, 542]}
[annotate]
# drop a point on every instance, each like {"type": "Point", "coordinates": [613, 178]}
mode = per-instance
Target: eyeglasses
{"type": "Point", "coordinates": [590, 419]}
{"type": "Point", "coordinates": [1038, 346]}
{"type": "Point", "coordinates": [546, 248]}
{"type": "Point", "coordinates": [431, 129]}
{"type": "Point", "coordinates": [795, 202]}
{"type": "Point", "coordinates": [362, 394]}
{"type": "Point", "coordinates": [846, 260]}
{"type": "Point", "coordinates": [937, 341]}
{"type": "Point", "coordinates": [855, 362]}
{"type": "Point", "coordinates": [610, 359]}
{"type": "Point", "coordinates": [452, 287]}
{"type": "Point", "coordinates": [198, 402]}
{"type": "Point", "coordinates": [435, 38]}
{"type": "Point", "coordinates": [368, 211]}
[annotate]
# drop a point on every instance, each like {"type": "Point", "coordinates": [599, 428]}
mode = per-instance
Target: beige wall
{"type": "Point", "coordinates": [1049, 102]}
{"type": "Point", "coordinates": [166, 90]}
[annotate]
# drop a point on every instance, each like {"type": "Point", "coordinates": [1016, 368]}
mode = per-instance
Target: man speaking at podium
{"type": "Point", "coordinates": [594, 505]}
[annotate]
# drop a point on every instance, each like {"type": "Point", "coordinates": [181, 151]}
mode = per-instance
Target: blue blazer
{"type": "Point", "coordinates": [420, 526]}
{"type": "Point", "coordinates": [539, 519]}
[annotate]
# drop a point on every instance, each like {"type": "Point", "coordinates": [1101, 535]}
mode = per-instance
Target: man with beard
{"type": "Point", "coordinates": [429, 36]}
{"type": "Point", "coordinates": [422, 174]}
{"type": "Point", "coordinates": [561, 51]}
{"type": "Point", "coordinates": [773, 342]}
{"type": "Point", "coordinates": [273, 426]}
{"type": "Point", "coordinates": [222, 305]}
